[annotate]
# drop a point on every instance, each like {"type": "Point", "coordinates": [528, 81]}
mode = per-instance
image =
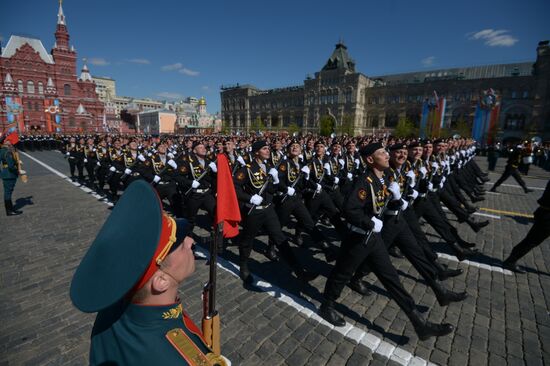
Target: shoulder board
{"type": "Point", "coordinates": [369, 179]}
{"type": "Point", "coordinates": [186, 347]}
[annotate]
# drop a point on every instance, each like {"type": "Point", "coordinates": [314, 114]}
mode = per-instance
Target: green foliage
{"type": "Point", "coordinates": [346, 127]}
{"type": "Point", "coordinates": [293, 127]}
{"type": "Point", "coordinates": [463, 128]}
{"type": "Point", "coordinates": [445, 133]}
{"type": "Point", "coordinates": [225, 128]}
{"type": "Point", "coordinates": [326, 125]}
{"type": "Point", "coordinates": [257, 125]}
{"type": "Point", "coordinates": [405, 128]}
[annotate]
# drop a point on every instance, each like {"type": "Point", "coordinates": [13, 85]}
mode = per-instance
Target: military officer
{"type": "Point", "coordinates": [9, 171]}
{"type": "Point", "coordinates": [511, 169]}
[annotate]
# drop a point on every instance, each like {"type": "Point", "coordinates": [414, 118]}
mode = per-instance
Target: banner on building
{"type": "Point", "coordinates": [53, 119]}
{"type": "Point", "coordinates": [486, 117]}
{"type": "Point", "coordinates": [433, 116]}
{"type": "Point", "coordinates": [14, 113]}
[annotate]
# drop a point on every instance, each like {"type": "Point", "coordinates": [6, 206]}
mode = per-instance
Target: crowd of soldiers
{"type": "Point", "coordinates": [372, 190]}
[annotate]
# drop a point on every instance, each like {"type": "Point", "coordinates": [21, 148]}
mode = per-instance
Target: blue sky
{"type": "Point", "coordinates": [172, 49]}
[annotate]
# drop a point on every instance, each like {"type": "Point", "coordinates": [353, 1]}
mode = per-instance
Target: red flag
{"type": "Point", "coordinates": [227, 206]}
{"type": "Point", "coordinates": [13, 138]}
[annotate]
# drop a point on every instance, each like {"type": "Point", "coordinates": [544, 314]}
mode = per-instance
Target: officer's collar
{"type": "Point", "coordinates": [148, 314]}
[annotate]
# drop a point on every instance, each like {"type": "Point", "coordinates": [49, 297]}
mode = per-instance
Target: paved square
{"type": "Point", "coordinates": [505, 320]}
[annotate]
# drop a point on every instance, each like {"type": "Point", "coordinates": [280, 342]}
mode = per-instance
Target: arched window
{"type": "Point", "coordinates": [20, 86]}
{"type": "Point", "coordinates": [40, 88]}
{"type": "Point", "coordinates": [67, 89]}
{"type": "Point", "coordinates": [30, 87]}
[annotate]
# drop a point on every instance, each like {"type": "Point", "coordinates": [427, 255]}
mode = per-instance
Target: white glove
{"type": "Point", "coordinates": [127, 171]}
{"type": "Point", "coordinates": [290, 191]}
{"type": "Point", "coordinates": [327, 168]}
{"type": "Point", "coordinates": [412, 177]}
{"type": "Point", "coordinates": [98, 163]}
{"type": "Point", "coordinates": [85, 160]}
{"type": "Point", "coordinates": [423, 171]}
{"type": "Point", "coordinates": [444, 164]}
{"type": "Point", "coordinates": [275, 174]}
{"type": "Point", "coordinates": [357, 163]}
{"type": "Point", "coordinates": [301, 157]}
{"type": "Point", "coordinates": [414, 194]}
{"type": "Point", "coordinates": [173, 164]}
{"type": "Point", "coordinates": [342, 163]}
{"type": "Point", "coordinates": [68, 153]}
{"type": "Point", "coordinates": [430, 187]}
{"type": "Point", "coordinates": [22, 172]}
{"type": "Point", "coordinates": [241, 160]}
{"type": "Point", "coordinates": [441, 185]}
{"type": "Point", "coordinates": [443, 179]}
{"type": "Point", "coordinates": [404, 205]}
{"type": "Point", "coordinates": [435, 165]}
{"type": "Point", "coordinates": [156, 179]}
{"type": "Point", "coordinates": [213, 166]}
{"type": "Point", "coordinates": [395, 191]}
{"type": "Point", "coordinates": [141, 157]}
{"type": "Point", "coordinates": [305, 170]}
{"type": "Point", "coordinates": [377, 225]}
{"type": "Point", "coordinates": [336, 180]}
{"type": "Point", "coordinates": [171, 156]}
{"type": "Point", "coordinates": [350, 176]}
{"type": "Point", "coordinates": [318, 189]}
{"type": "Point", "coordinates": [256, 200]}
{"type": "Point", "coordinates": [113, 169]}
{"type": "Point", "coordinates": [195, 184]}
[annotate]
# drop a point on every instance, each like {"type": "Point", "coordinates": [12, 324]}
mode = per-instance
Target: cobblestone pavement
{"type": "Point", "coordinates": [505, 320]}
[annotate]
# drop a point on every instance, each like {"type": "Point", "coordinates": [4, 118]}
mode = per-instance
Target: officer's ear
{"type": "Point", "coordinates": [370, 159]}
{"type": "Point", "coordinates": [160, 282]}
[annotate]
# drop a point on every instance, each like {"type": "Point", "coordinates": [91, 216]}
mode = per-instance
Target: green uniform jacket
{"type": "Point", "coordinates": [8, 165]}
{"type": "Point", "coordinates": [139, 335]}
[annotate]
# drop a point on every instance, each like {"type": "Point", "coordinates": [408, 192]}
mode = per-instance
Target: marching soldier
{"type": "Point", "coordinates": [102, 165]}
{"type": "Point", "coordinates": [9, 171]}
{"type": "Point", "coordinates": [364, 245]}
{"type": "Point", "coordinates": [90, 161]}
{"type": "Point", "coordinates": [511, 169]}
{"type": "Point", "coordinates": [116, 169]}
{"type": "Point", "coordinates": [75, 155]}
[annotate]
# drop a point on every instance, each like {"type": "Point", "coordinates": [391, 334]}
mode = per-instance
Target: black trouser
{"type": "Point", "coordinates": [412, 220]}
{"type": "Point", "coordinates": [453, 205]}
{"type": "Point", "coordinates": [295, 206]}
{"type": "Point", "coordinates": [100, 174]}
{"type": "Point", "coordinates": [423, 207]}
{"type": "Point", "coordinates": [90, 169]}
{"type": "Point", "coordinates": [264, 218]}
{"type": "Point", "coordinates": [354, 253]}
{"type": "Point", "coordinates": [492, 163]}
{"type": "Point", "coordinates": [323, 203]}
{"type": "Point", "coordinates": [79, 164]}
{"type": "Point", "coordinates": [536, 235]}
{"type": "Point", "coordinates": [510, 171]}
{"type": "Point", "coordinates": [337, 198]}
{"type": "Point", "coordinates": [195, 201]}
{"type": "Point", "coordinates": [114, 183]}
{"type": "Point", "coordinates": [169, 190]}
{"type": "Point", "coordinates": [452, 186]}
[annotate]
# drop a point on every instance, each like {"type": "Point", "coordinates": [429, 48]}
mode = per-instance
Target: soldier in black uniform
{"type": "Point", "coordinates": [258, 211]}
{"type": "Point", "coordinates": [133, 164]}
{"type": "Point", "coordinates": [514, 159]}
{"type": "Point", "coordinates": [364, 245]}
{"type": "Point", "coordinates": [90, 161]}
{"type": "Point", "coordinates": [116, 169]}
{"type": "Point", "coordinates": [536, 235]}
{"type": "Point", "coordinates": [199, 175]}
{"type": "Point", "coordinates": [75, 155]}
{"type": "Point", "coordinates": [102, 165]}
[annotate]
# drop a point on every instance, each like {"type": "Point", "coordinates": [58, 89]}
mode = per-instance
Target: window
{"type": "Point", "coordinates": [71, 122]}
{"type": "Point", "coordinates": [67, 89]}
{"type": "Point", "coordinates": [525, 94]}
{"type": "Point", "coordinates": [40, 88]}
{"type": "Point", "coordinates": [20, 86]}
{"type": "Point", "coordinates": [30, 87]}
{"type": "Point", "coordinates": [514, 94]}
{"type": "Point", "coordinates": [36, 106]}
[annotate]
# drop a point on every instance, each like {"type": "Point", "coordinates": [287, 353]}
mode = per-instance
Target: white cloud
{"type": "Point", "coordinates": [172, 67]}
{"type": "Point", "coordinates": [169, 95]}
{"type": "Point", "coordinates": [98, 61]}
{"type": "Point", "coordinates": [188, 72]}
{"type": "Point", "coordinates": [142, 61]}
{"type": "Point", "coordinates": [494, 37]}
{"type": "Point", "coordinates": [428, 61]}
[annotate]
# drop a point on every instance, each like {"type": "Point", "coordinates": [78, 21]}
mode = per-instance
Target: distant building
{"type": "Point", "coordinates": [44, 91]}
{"type": "Point", "coordinates": [157, 121]}
{"type": "Point", "coordinates": [378, 103]}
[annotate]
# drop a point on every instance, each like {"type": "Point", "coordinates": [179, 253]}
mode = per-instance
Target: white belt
{"type": "Point", "coordinates": [356, 229]}
{"type": "Point", "coordinates": [201, 190]}
{"type": "Point", "coordinates": [391, 212]}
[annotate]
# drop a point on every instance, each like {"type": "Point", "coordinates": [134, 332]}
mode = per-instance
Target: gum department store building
{"type": "Point", "coordinates": [378, 103]}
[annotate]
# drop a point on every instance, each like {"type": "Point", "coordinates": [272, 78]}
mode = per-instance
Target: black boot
{"type": "Point", "coordinates": [330, 255]}
{"type": "Point", "coordinates": [272, 252]}
{"type": "Point", "coordinates": [425, 329]}
{"type": "Point", "coordinates": [395, 252]}
{"type": "Point", "coordinates": [327, 312]}
{"type": "Point", "coordinates": [245, 275]}
{"type": "Point", "coordinates": [445, 296]}
{"type": "Point", "coordinates": [476, 226]}
{"type": "Point", "coordinates": [470, 209]}
{"type": "Point", "coordinates": [527, 190]}
{"type": "Point", "coordinates": [464, 244]}
{"type": "Point", "coordinates": [10, 211]}
{"type": "Point", "coordinates": [494, 189]}
{"type": "Point", "coordinates": [444, 272]}
{"type": "Point", "coordinates": [475, 198]}
{"type": "Point", "coordinates": [462, 253]}
{"type": "Point", "coordinates": [360, 286]}
{"type": "Point", "coordinates": [305, 275]}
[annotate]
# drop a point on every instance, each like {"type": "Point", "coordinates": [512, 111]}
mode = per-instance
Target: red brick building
{"type": "Point", "coordinates": [48, 94]}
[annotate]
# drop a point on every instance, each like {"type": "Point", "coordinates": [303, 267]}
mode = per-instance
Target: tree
{"type": "Point", "coordinates": [346, 127]}
{"type": "Point", "coordinates": [257, 125]}
{"type": "Point", "coordinates": [405, 128]}
{"type": "Point", "coordinates": [326, 125]}
{"type": "Point", "coordinates": [225, 128]}
{"type": "Point", "coordinates": [292, 128]}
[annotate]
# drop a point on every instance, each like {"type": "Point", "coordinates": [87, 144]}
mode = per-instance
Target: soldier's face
{"type": "Point", "coordinates": [351, 148]}
{"type": "Point", "coordinates": [264, 152]}
{"type": "Point", "coordinates": [380, 159]}
{"type": "Point", "coordinates": [180, 264]}
{"type": "Point", "coordinates": [320, 149]}
{"type": "Point", "coordinates": [428, 149]}
{"type": "Point", "coordinates": [336, 149]}
{"type": "Point", "coordinates": [200, 150]}
{"type": "Point", "coordinates": [416, 152]}
{"type": "Point", "coordinates": [162, 149]}
{"type": "Point", "coordinates": [229, 146]}
{"type": "Point", "coordinates": [133, 145]}
{"type": "Point", "coordinates": [399, 156]}
{"type": "Point", "coordinates": [295, 150]}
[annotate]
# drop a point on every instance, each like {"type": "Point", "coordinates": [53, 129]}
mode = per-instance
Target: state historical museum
{"type": "Point", "coordinates": [40, 92]}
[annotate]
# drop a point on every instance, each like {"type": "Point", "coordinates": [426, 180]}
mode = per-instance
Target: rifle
{"type": "Point", "coordinates": [124, 175]}
{"type": "Point", "coordinates": [24, 177]}
{"type": "Point", "coordinates": [293, 185]}
{"type": "Point", "coordinates": [211, 317]}
{"type": "Point", "coordinates": [165, 169]}
{"type": "Point", "coordinates": [206, 171]}
{"type": "Point", "coordinates": [320, 180]}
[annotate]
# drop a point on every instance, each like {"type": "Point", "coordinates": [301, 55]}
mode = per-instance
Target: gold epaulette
{"type": "Point", "coordinates": [189, 350]}
{"type": "Point", "coordinates": [369, 180]}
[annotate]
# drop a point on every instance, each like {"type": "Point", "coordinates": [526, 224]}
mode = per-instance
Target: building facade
{"type": "Point", "coordinates": [377, 103]}
{"type": "Point", "coordinates": [41, 91]}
